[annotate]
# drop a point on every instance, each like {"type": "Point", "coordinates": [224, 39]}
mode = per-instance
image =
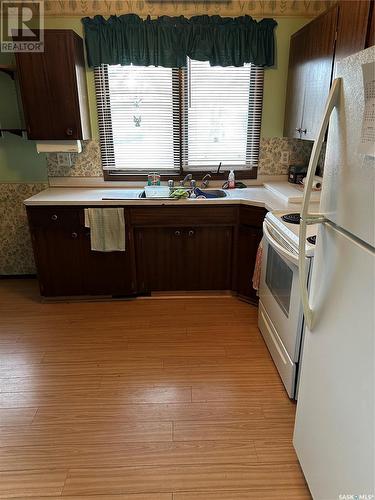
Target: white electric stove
{"type": "Point", "coordinates": [280, 317]}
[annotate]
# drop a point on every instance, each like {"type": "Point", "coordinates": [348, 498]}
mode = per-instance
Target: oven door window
{"type": "Point", "coordinates": [279, 279]}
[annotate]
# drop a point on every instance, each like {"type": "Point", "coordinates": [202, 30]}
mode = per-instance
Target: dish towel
{"type": "Point", "coordinates": [107, 229]}
{"type": "Point", "coordinates": [258, 266]}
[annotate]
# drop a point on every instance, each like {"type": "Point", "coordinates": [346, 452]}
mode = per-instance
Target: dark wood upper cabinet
{"type": "Point", "coordinates": [53, 88]}
{"type": "Point", "coordinates": [318, 73]}
{"type": "Point", "coordinates": [352, 27]}
{"type": "Point", "coordinates": [340, 31]}
{"type": "Point", "coordinates": [309, 77]}
{"type": "Point", "coordinates": [295, 93]}
{"type": "Point", "coordinates": [370, 39]}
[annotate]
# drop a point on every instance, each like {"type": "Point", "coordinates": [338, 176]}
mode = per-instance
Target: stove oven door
{"type": "Point", "coordinates": [279, 291]}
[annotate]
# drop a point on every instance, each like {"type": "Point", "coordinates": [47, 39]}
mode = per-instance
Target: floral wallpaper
{"type": "Point", "coordinates": [254, 8]}
{"type": "Point", "coordinates": [84, 164]}
{"type": "Point", "coordinates": [88, 164]}
{"type": "Point", "coordinates": [16, 255]}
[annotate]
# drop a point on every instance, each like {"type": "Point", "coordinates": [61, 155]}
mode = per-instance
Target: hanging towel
{"type": "Point", "coordinates": [107, 229]}
{"type": "Point", "coordinates": [258, 266]}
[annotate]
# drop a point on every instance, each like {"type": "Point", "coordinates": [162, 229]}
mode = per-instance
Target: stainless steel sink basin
{"type": "Point", "coordinates": [205, 193]}
{"type": "Point", "coordinates": [213, 193]}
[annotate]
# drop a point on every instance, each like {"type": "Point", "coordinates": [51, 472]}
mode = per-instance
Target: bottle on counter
{"type": "Point", "coordinates": [153, 179]}
{"type": "Point", "coordinates": [231, 180]}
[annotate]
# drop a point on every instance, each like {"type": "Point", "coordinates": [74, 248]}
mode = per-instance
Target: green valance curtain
{"type": "Point", "coordinates": [166, 41]}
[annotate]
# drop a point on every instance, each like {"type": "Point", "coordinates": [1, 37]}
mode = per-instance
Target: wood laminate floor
{"type": "Point", "coordinates": [160, 399]}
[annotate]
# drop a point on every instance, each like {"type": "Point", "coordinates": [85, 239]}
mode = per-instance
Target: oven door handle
{"type": "Point", "coordinates": [279, 248]}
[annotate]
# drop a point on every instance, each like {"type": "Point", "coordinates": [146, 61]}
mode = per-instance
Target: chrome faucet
{"type": "Point", "coordinates": [187, 177]}
{"type": "Point", "coordinates": [206, 181]}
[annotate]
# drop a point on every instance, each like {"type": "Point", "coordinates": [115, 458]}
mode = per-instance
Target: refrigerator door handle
{"type": "Point", "coordinates": [306, 217]}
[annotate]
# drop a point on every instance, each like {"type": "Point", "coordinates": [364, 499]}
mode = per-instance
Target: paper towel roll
{"type": "Point", "coordinates": [59, 147]}
{"type": "Point", "coordinates": [317, 183]}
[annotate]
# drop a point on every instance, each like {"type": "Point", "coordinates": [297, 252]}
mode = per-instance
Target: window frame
{"type": "Point", "coordinates": [176, 174]}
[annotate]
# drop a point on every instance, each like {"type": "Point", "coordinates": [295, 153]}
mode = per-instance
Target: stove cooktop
{"type": "Point", "coordinates": [289, 229]}
{"type": "Point", "coordinates": [293, 218]}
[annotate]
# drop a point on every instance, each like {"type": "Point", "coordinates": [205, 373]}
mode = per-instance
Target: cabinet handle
{"type": "Point", "coordinates": [54, 217]}
{"type": "Point", "coordinates": [74, 235]}
{"type": "Point", "coordinates": [304, 130]}
{"type": "Point", "coordinates": [298, 130]}
{"type": "Point", "coordinates": [191, 233]}
{"type": "Point", "coordinates": [69, 131]}
{"type": "Point", "coordinates": [177, 234]}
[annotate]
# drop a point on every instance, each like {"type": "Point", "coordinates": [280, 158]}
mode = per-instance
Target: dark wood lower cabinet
{"type": "Point", "coordinates": [66, 264]}
{"type": "Point", "coordinates": [247, 246]}
{"type": "Point", "coordinates": [106, 273]}
{"type": "Point", "coordinates": [160, 258]}
{"type": "Point", "coordinates": [164, 251]}
{"type": "Point", "coordinates": [209, 258]}
{"type": "Point", "coordinates": [57, 251]}
{"type": "Point", "coordinates": [183, 258]}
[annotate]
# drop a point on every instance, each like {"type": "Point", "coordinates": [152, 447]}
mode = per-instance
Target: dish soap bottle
{"type": "Point", "coordinates": [231, 180]}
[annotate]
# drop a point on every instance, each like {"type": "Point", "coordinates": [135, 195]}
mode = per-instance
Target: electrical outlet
{"type": "Point", "coordinates": [64, 160]}
{"type": "Point", "coordinates": [284, 157]}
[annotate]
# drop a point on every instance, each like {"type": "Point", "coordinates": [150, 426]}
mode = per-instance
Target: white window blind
{"type": "Point", "coordinates": [223, 116]}
{"type": "Point", "coordinates": [168, 120]}
{"type": "Point", "coordinates": [138, 113]}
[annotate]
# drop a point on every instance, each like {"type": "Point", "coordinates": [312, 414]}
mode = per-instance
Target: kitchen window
{"type": "Point", "coordinates": [179, 120]}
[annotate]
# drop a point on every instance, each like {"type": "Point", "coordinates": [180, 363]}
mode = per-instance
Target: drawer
{"type": "Point", "coordinates": [54, 217]}
{"type": "Point", "coordinates": [183, 216]}
{"type": "Point", "coordinates": [252, 216]}
{"type": "Point", "coordinates": [280, 356]}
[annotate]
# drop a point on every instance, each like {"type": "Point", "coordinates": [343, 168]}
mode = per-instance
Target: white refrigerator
{"type": "Point", "coordinates": [334, 430]}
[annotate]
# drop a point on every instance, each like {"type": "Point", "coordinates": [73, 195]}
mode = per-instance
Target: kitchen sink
{"type": "Point", "coordinates": [203, 193]}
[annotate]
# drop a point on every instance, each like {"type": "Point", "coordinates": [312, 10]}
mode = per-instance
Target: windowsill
{"type": "Point", "coordinates": [99, 182]}
{"type": "Point", "coordinates": [198, 175]}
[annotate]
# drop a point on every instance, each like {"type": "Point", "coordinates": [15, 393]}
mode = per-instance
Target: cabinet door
{"type": "Point", "coordinates": [208, 258]}
{"type": "Point", "coordinates": [352, 27]}
{"type": "Point", "coordinates": [160, 259]}
{"type": "Point", "coordinates": [57, 246]}
{"type": "Point", "coordinates": [320, 51]}
{"type": "Point", "coordinates": [195, 258]}
{"type": "Point", "coordinates": [370, 39]}
{"type": "Point", "coordinates": [296, 85]}
{"type": "Point", "coordinates": [107, 273]}
{"type": "Point", "coordinates": [247, 246]}
{"type": "Point", "coordinates": [49, 89]}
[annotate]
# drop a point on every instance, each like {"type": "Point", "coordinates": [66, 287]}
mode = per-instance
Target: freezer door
{"type": "Point", "coordinates": [334, 429]}
{"type": "Point", "coordinates": [348, 187]}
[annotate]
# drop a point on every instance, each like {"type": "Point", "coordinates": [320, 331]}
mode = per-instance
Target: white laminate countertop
{"type": "Point", "coordinates": [255, 196]}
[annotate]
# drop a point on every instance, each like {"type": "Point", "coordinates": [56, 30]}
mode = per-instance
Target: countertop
{"type": "Point", "coordinates": [255, 196]}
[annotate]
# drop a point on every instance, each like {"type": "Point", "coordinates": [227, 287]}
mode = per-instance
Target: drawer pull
{"type": "Point", "coordinates": [74, 235]}
{"type": "Point", "coordinates": [177, 234]}
{"type": "Point", "coordinates": [69, 131]}
{"type": "Point", "coordinates": [191, 233]}
{"type": "Point", "coordinates": [54, 217]}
